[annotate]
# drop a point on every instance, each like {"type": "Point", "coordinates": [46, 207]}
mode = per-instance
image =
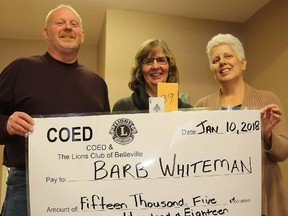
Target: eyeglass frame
{"type": "Point", "coordinates": [157, 60]}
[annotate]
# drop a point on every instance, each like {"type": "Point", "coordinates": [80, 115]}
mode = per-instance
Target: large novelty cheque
{"type": "Point", "coordinates": [190, 163]}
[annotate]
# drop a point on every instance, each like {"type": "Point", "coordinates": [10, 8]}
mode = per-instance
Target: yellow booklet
{"type": "Point", "coordinates": [170, 93]}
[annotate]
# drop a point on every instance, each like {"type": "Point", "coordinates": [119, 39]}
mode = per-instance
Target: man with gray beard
{"type": "Point", "coordinates": [50, 84]}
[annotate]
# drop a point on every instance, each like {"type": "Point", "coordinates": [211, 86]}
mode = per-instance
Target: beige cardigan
{"type": "Point", "coordinates": [274, 197]}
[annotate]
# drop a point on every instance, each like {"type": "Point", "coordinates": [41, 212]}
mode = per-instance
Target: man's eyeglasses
{"type": "Point", "coordinates": [160, 60]}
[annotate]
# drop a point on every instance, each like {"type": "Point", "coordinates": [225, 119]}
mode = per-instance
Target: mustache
{"type": "Point", "coordinates": [67, 33]}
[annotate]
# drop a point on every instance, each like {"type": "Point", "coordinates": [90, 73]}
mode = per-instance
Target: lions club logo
{"type": "Point", "coordinates": [123, 131]}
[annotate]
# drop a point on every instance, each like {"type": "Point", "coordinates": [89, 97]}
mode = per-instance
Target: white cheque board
{"type": "Point", "coordinates": [164, 164]}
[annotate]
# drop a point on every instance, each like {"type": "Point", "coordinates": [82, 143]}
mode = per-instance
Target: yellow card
{"type": "Point", "coordinates": [170, 93]}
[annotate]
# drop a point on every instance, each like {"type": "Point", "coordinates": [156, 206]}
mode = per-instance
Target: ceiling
{"type": "Point", "coordinates": [24, 19]}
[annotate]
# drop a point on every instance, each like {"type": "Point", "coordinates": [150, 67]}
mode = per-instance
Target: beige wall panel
{"type": "Point", "coordinates": [2, 179]}
{"type": "Point", "coordinates": [266, 41]}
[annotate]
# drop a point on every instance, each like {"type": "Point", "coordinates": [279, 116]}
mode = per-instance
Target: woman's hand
{"type": "Point", "coordinates": [20, 123]}
{"type": "Point", "coordinates": [270, 116]}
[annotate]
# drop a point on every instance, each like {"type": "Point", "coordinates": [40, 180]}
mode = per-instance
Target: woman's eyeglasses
{"type": "Point", "coordinates": [160, 60]}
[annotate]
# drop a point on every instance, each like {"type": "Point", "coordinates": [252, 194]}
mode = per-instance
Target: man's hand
{"type": "Point", "coordinates": [20, 123]}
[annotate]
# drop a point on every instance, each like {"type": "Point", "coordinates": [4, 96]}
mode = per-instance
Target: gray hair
{"type": "Point", "coordinates": [60, 6]}
{"type": "Point", "coordinates": [229, 39]}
